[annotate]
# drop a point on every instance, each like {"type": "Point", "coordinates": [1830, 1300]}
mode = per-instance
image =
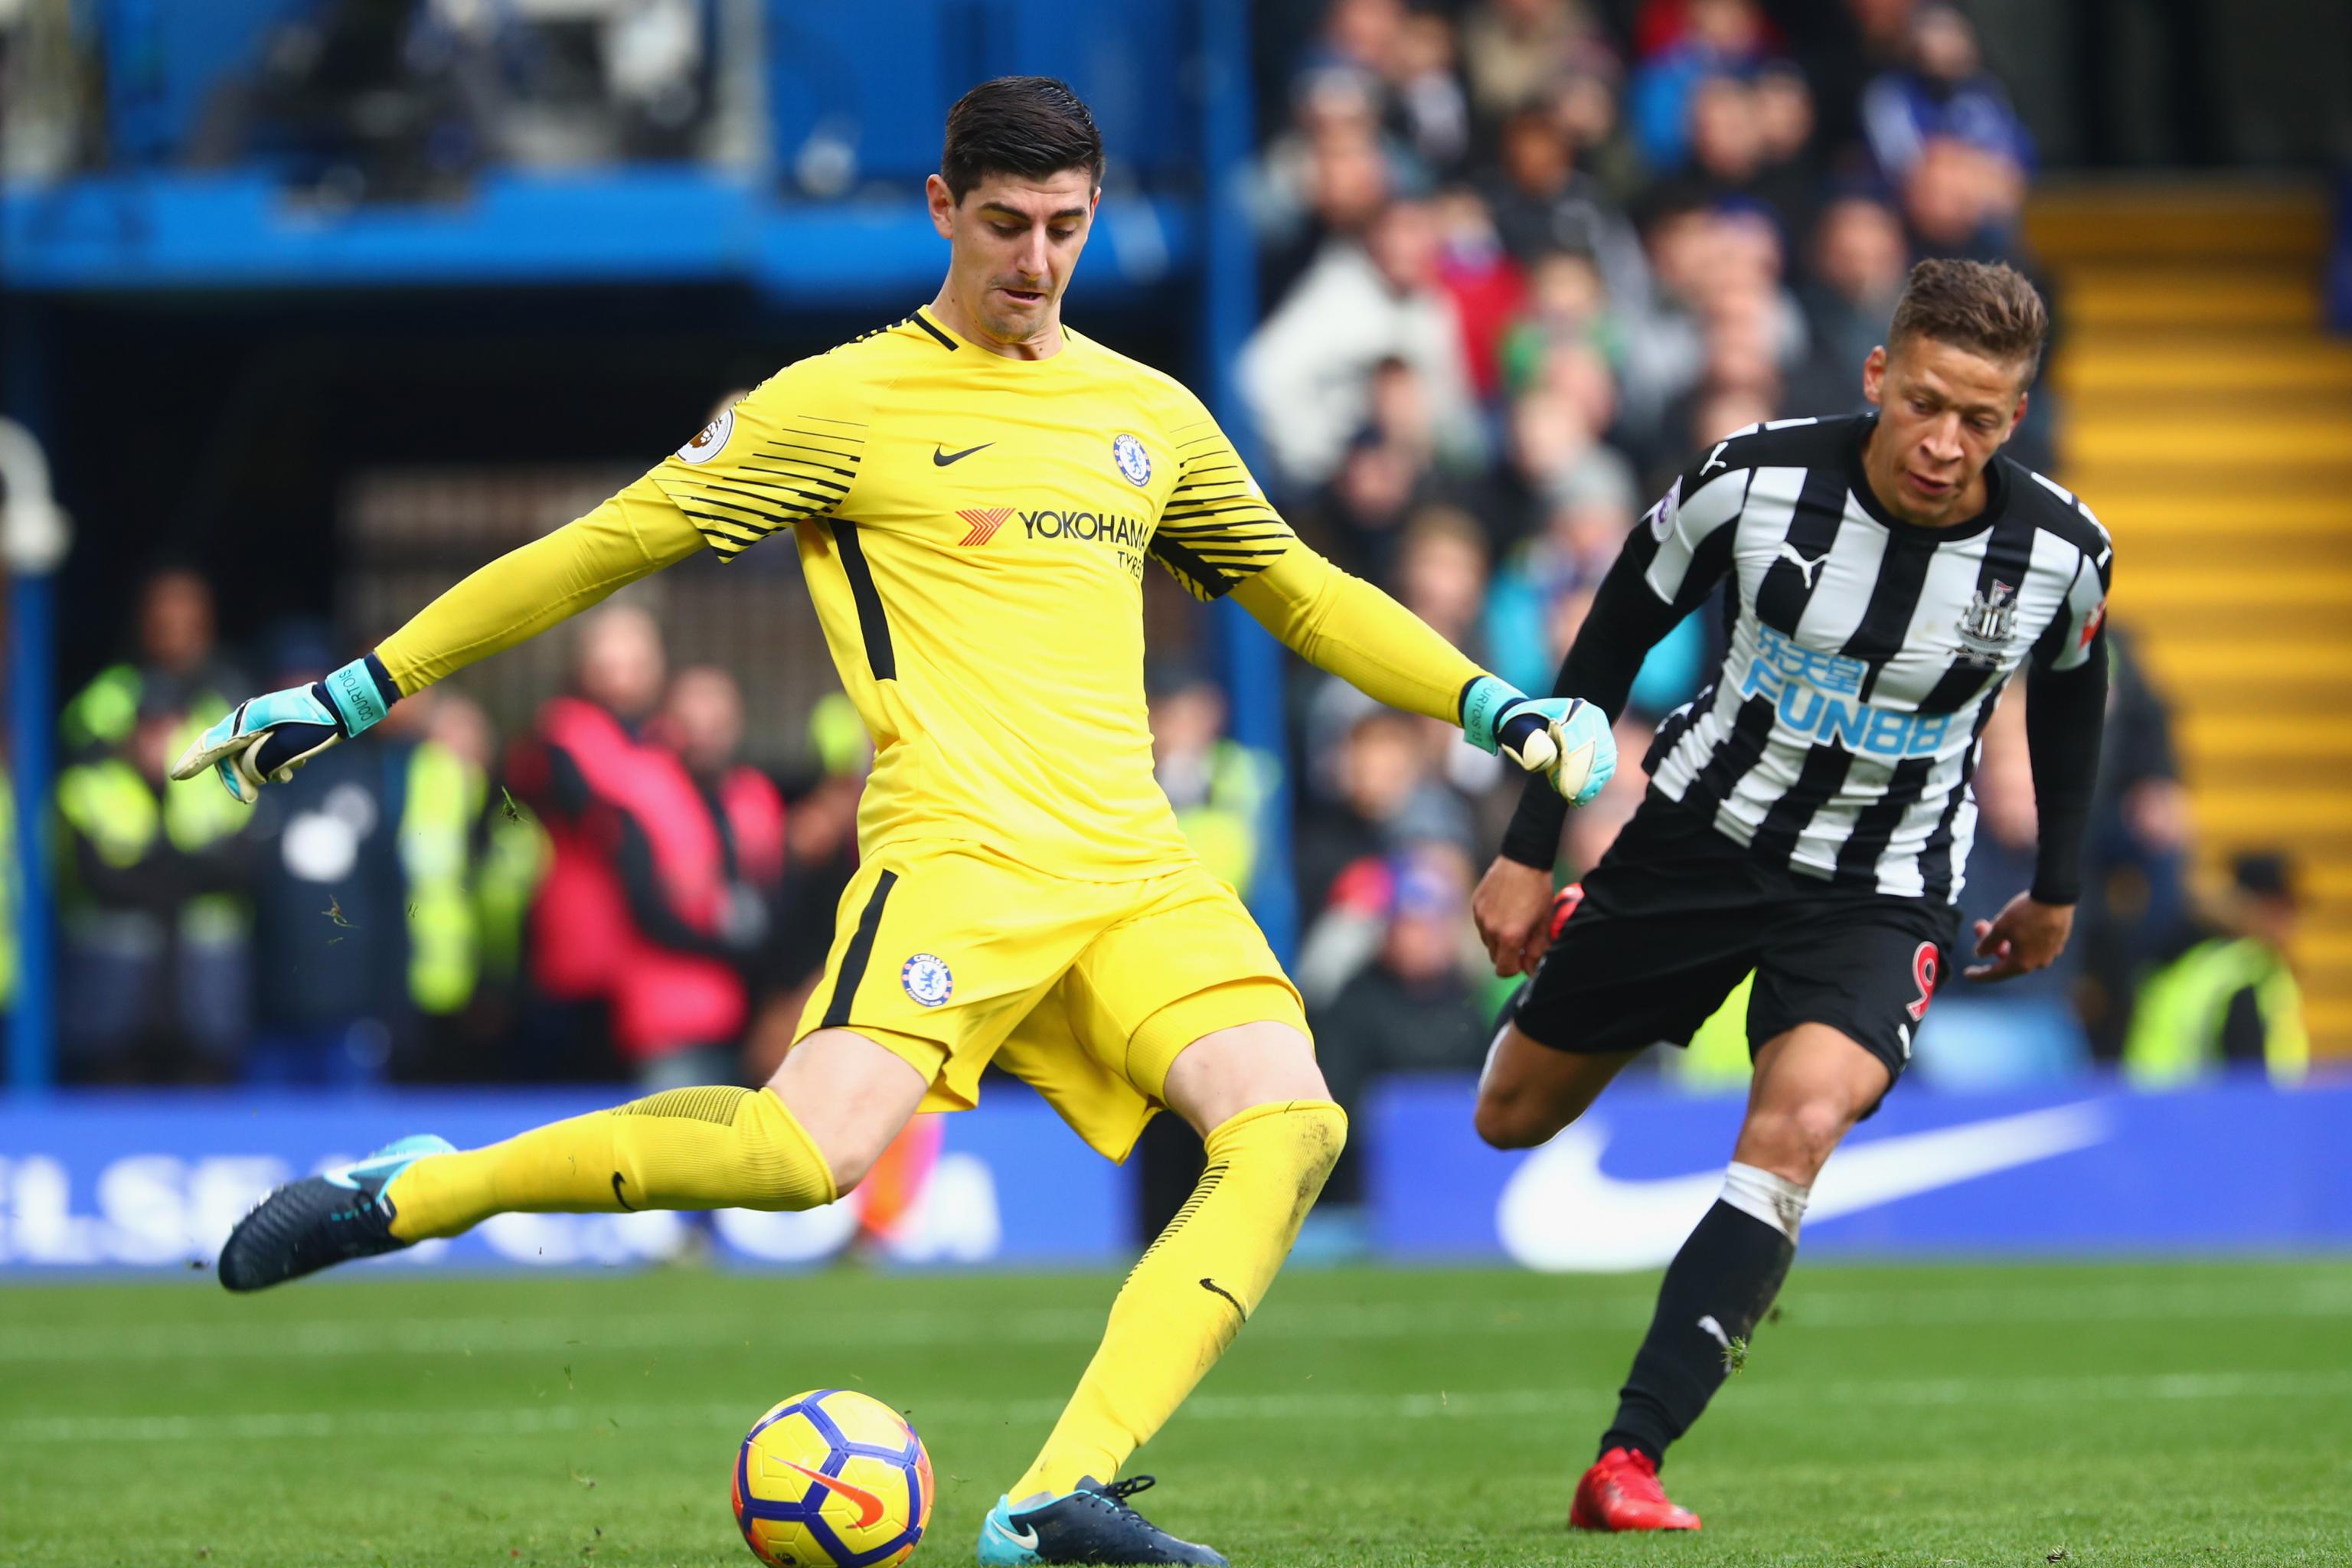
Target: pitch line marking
{"type": "Point", "coordinates": [1810, 1305]}
{"type": "Point", "coordinates": [1513, 1405]}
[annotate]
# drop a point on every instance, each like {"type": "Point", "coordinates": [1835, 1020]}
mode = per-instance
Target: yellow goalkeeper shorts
{"type": "Point", "coordinates": [952, 957]}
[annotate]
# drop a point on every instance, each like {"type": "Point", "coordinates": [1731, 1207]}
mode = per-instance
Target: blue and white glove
{"type": "Point", "coordinates": [267, 737]}
{"type": "Point", "coordinates": [1566, 739]}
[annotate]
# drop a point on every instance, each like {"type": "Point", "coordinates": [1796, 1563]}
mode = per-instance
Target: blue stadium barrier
{"type": "Point", "coordinates": [150, 1182]}
{"type": "Point", "coordinates": [132, 232]}
{"type": "Point", "coordinates": [2235, 1167]}
{"type": "Point", "coordinates": [134, 1181]}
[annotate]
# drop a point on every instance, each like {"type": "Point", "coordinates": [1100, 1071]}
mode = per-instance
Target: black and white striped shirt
{"type": "Point", "coordinates": [1865, 653]}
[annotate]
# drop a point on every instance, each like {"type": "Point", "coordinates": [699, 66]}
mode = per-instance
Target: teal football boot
{"type": "Point", "coordinates": [1091, 1524]}
{"type": "Point", "coordinates": [333, 1218]}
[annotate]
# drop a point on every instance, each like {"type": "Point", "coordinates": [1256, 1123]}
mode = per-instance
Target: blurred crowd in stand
{"type": "Point", "coordinates": [615, 893]}
{"type": "Point", "coordinates": [1521, 259]}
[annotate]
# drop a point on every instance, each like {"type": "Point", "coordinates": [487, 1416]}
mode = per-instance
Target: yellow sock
{"type": "Point", "coordinates": [681, 1149]}
{"type": "Point", "coordinates": [1193, 1289]}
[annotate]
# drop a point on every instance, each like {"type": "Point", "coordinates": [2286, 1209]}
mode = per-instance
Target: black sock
{"type": "Point", "coordinates": [1728, 1272]}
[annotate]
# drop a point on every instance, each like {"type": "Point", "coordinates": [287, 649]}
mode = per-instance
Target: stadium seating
{"type": "Point", "coordinates": [2207, 411]}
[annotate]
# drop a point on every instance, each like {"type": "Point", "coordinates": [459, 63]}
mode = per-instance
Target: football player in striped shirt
{"type": "Point", "coordinates": [1807, 815]}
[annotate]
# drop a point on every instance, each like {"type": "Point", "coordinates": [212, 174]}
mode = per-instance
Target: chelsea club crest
{"type": "Point", "coordinates": [1132, 460]}
{"type": "Point", "coordinates": [1988, 624]}
{"type": "Point", "coordinates": [927, 979]}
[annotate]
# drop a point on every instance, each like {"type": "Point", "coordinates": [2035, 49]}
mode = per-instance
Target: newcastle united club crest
{"type": "Point", "coordinates": [1988, 624]}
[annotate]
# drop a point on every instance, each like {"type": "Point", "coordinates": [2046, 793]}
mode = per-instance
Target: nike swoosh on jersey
{"type": "Point", "coordinates": [1561, 1211]}
{"type": "Point", "coordinates": [942, 456]}
{"type": "Point", "coordinates": [869, 1506]}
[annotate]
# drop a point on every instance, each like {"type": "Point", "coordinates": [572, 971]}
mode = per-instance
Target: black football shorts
{"type": "Point", "coordinates": [1674, 915]}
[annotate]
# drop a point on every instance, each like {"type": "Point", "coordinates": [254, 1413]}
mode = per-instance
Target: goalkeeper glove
{"type": "Point", "coordinates": [1566, 739]}
{"type": "Point", "coordinates": [267, 737]}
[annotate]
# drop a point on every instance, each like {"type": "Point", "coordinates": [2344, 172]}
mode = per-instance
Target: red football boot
{"type": "Point", "coordinates": [1621, 1491]}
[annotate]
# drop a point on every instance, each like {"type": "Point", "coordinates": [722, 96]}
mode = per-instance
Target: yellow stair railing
{"type": "Point", "coordinates": [2208, 421]}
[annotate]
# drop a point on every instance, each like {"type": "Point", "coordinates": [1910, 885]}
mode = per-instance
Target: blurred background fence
{"type": "Point", "coordinates": [311, 305]}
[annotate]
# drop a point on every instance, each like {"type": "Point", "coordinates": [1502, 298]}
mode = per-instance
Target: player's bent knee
{"type": "Point", "coordinates": [1793, 1141]}
{"type": "Point", "coordinates": [1529, 1091]}
{"type": "Point", "coordinates": [1322, 1134]}
{"type": "Point", "coordinates": [1514, 1121]}
{"type": "Point", "coordinates": [850, 1096]}
{"type": "Point", "coordinates": [849, 1166]}
{"type": "Point", "coordinates": [850, 1149]}
{"type": "Point", "coordinates": [1228, 1071]}
{"type": "Point", "coordinates": [1291, 1145]}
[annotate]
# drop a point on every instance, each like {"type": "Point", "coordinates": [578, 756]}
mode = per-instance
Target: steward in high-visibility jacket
{"type": "Point", "coordinates": [2231, 997]}
{"type": "Point", "coordinates": [365, 898]}
{"type": "Point", "coordinates": [122, 812]}
{"type": "Point", "coordinates": [2227, 999]}
{"type": "Point", "coordinates": [156, 922]}
{"type": "Point", "coordinates": [1220, 819]}
{"type": "Point", "coordinates": [136, 842]}
{"type": "Point", "coordinates": [442, 804]}
{"type": "Point", "coordinates": [102, 714]}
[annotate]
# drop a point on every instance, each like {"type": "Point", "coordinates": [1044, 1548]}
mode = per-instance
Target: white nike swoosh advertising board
{"type": "Point", "coordinates": [2230, 1167]}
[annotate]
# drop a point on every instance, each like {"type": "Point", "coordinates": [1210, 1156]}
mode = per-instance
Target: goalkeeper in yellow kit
{"type": "Point", "coordinates": [973, 491]}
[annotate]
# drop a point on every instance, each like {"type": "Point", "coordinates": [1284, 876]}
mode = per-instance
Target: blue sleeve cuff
{"type": "Point", "coordinates": [360, 694]}
{"type": "Point", "coordinates": [1484, 701]}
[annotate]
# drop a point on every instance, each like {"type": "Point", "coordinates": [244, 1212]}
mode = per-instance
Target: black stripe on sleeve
{"type": "Point", "coordinates": [872, 625]}
{"type": "Point", "coordinates": [1205, 581]}
{"type": "Point", "coordinates": [715, 528]}
{"type": "Point", "coordinates": [1710, 564]}
{"type": "Point", "coordinates": [2060, 630]}
{"type": "Point", "coordinates": [1677, 724]}
{"type": "Point", "coordinates": [861, 949]}
{"type": "Point", "coordinates": [759, 503]}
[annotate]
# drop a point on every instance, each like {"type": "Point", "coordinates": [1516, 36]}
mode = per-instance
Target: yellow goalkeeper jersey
{"type": "Point", "coordinates": [974, 529]}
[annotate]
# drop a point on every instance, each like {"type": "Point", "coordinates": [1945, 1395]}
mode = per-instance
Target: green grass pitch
{"type": "Point", "coordinates": [2124, 1414]}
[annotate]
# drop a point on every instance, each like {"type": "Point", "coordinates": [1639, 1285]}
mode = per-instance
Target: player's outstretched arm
{"type": "Point", "coordinates": [1218, 535]}
{"type": "Point", "coordinates": [1344, 624]}
{"type": "Point", "coordinates": [764, 464]}
{"type": "Point", "coordinates": [1667, 568]}
{"type": "Point", "coordinates": [513, 598]}
{"type": "Point", "coordinates": [1512, 900]}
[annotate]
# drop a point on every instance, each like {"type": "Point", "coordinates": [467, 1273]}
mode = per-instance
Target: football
{"type": "Point", "coordinates": [831, 1478]}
